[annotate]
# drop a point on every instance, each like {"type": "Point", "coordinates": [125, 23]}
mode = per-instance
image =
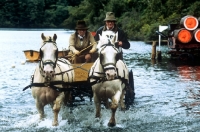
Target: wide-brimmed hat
{"type": "Point", "coordinates": [81, 25]}
{"type": "Point", "coordinates": [110, 16]}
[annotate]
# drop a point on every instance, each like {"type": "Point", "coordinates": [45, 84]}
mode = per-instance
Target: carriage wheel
{"type": "Point", "coordinates": [130, 92]}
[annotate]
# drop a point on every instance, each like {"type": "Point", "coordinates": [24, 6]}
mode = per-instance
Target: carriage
{"type": "Point", "coordinates": [81, 87]}
{"type": "Point", "coordinates": [74, 81]}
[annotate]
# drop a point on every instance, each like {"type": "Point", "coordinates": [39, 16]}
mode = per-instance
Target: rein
{"type": "Point", "coordinates": [51, 84]}
{"type": "Point", "coordinates": [71, 69]}
{"type": "Point", "coordinates": [83, 49]}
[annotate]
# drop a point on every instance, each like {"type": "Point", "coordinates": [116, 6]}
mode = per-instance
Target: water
{"type": "Point", "coordinates": [167, 94]}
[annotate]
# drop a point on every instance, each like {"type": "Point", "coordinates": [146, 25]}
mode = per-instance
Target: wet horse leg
{"type": "Point", "coordinates": [122, 100]}
{"type": "Point", "coordinates": [68, 98]}
{"type": "Point", "coordinates": [98, 106]}
{"type": "Point", "coordinates": [40, 108]}
{"type": "Point", "coordinates": [114, 106]}
{"type": "Point", "coordinates": [56, 107]}
{"type": "Point", "coordinates": [112, 121]}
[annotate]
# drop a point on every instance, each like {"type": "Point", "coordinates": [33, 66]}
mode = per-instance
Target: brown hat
{"type": "Point", "coordinates": [110, 16]}
{"type": "Point", "coordinates": [81, 25]}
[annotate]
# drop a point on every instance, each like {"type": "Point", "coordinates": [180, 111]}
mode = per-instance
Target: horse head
{"type": "Point", "coordinates": [106, 37]}
{"type": "Point", "coordinates": [48, 56]}
{"type": "Point", "coordinates": [108, 54]}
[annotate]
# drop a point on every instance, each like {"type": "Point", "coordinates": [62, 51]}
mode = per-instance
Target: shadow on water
{"type": "Point", "coordinates": [190, 72]}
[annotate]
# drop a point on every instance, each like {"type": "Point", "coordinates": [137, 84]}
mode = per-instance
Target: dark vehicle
{"type": "Point", "coordinates": [184, 38]}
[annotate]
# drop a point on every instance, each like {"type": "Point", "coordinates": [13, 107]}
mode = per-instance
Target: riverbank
{"type": "Point", "coordinates": [163, 42]}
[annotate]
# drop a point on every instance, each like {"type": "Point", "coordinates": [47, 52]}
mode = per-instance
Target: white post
{"type": "Point", "coordinates": [159, 38]}
{"type": "Point", "coordinates": [161, 28]}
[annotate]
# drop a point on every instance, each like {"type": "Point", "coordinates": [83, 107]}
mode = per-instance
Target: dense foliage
{"type": "Point", "coordinates": [138, 18]}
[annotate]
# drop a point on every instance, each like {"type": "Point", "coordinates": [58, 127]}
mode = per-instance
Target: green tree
{"type": "Point", "coordinates": [138, 18]}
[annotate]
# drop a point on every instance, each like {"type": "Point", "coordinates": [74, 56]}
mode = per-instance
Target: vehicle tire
{"type": "Point", "coordinates": [130, 91]}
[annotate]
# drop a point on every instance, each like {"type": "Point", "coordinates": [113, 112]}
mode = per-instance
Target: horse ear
{"type": "Point", "coordinates": [43, 37]}
{"type": "Point", "coordinates": [54, 37]}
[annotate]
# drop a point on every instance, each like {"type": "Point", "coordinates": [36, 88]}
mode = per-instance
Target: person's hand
{"type": "Point", "coordinates": [120, 43]}
{"type": "Point", "coordinates": [92, 50]}
{"type": "Point", "coordinates": [76, 52]}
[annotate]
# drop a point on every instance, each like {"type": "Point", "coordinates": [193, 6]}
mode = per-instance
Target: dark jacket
{"type": "Point", "coordinates": [121, 36]}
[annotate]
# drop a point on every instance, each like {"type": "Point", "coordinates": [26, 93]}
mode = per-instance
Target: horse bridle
{"type": "Point", "coordinates": [100, 55]}
{"type": "Point", "coordinates": [48, 61]}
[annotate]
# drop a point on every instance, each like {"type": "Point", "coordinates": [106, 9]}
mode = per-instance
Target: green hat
{"type": "Point", "coordinates": [81, 25]}
{"type": "Point", "coordinates": [110, 16]}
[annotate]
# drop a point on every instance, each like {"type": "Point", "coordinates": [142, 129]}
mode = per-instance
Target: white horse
{"type": "Point", "coordinates": [50, 78]}
{"type": "Point", "coordinates": [108, 77]}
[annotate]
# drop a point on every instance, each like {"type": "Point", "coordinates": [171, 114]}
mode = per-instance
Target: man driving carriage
{"type": "Point", "coordinates": [110, 24]}
{"type": "Point", "coordinates": [81, 44]}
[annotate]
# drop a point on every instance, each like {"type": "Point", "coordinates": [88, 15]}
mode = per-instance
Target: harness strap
{"type": "Point", "coordinates": [60, 70]}
{"type": "Point", "coordinates": [51, 85]}
{"type": "Point", "coordinates": [102, 79]}
{"type": "Point", "coordinates": [99, 72]}
{"type": "Point", "coordinates": [97, 80]}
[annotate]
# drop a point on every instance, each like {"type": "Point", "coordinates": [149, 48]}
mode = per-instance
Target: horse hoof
{"type": "Point", "coordinates": [42, 118]}
{"type": "Point", "coordinates": [97, 119]}
{"type": "Point", "coordinates": [111, 124]}
{"type": "Point", "coordinates": [97, 116]}
{"type": "Point", "coordinates": [55, 124]}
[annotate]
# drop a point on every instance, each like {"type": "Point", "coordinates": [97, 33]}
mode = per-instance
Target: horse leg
{"type": "Point", "coordinates": [68, 98]}
{"type": "Point", "coordinates": [112, 121]}
{"type": "Point", "coordinates": [122, 100]}
{"type": "Point", "coordinates": [114, 106]}
{"type": "Point", "coordinates": [56, 108]}
{"type": "Point", "coordinates": [40, 108]}
{"type": "Point", "coordinates": [98, 106]}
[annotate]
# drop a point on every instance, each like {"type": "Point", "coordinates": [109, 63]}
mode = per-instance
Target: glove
{"type": "Point", "coordinates": [76, 52]}
{"type": "Point", "coordinates": [92, 50]}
